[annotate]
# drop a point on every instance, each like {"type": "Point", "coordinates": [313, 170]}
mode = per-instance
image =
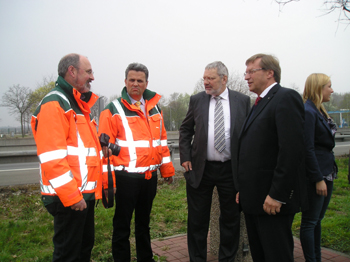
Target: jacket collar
{"type": "Point", "coordinates": [73, 94]}
{"type": "Point", "coordinates": [151, 98]}
{"type": "Point", "coordinates": [320, 116]}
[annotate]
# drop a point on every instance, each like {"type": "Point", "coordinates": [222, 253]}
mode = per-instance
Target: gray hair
{"type": "Point", "coordinates": [136, 67]}
{"type": "Point", "coordinates": [67, 61]}
{"type": "Point", "coordinates": [220, 67]}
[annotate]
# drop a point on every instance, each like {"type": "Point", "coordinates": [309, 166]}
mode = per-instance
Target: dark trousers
{"type": "Point", "coordinates": [133, 193]}
{"type": "Point", "coordinates": [199, 205]}
{"type": "Point", "coordinates": [74, 232]}
{"type": "Point", "coordinates": [310, 228]}
{"type": "Point", "coordinates": [270, 237]}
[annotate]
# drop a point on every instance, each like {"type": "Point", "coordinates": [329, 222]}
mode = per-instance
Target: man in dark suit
{"type": "Point", "coordinates": [215, 118]}
{"type": "Point", "coordinates": [271, 162]}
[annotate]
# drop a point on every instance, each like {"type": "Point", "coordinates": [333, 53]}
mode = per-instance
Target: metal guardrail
{"type": "Point", "coordinates": [24, 150]}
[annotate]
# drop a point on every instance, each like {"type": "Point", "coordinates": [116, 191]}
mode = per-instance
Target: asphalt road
{"type": "Point", "coordinates": [28, 173]}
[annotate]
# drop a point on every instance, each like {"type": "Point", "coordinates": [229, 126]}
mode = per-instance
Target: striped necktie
{"type": "Point", "coordinates": [219, 125]}
{"type": "Point", "coordinates": [138, 104]}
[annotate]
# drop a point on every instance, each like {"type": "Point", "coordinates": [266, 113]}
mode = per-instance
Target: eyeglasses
{"type": "Point", "coordinates": [89, 72]}
{"type": "Point", "coordinates": [211, 78]}
{"type": "Point", "coordinates": [252, 71]}
{"type": "Point", "coordinates": [208, 78]}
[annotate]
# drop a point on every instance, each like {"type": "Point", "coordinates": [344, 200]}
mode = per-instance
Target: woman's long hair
{"type": "Point", "coordinates": [313, 90]}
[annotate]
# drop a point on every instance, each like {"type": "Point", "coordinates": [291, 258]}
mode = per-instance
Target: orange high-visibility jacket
{"type": "Point", "coordinates": [67, 146]}
{"type": "Point", "coordinates": [142, 139]}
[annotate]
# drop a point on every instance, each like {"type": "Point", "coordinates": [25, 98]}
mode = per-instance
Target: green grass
{"type": "Point", "coordinates": [26, 228]}
{"type": "Point", "coordinates": [336, 224]}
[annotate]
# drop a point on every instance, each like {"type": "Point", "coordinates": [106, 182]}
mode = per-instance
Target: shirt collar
{"type": "Point", "coordinates": [264, 93]}
{"type": "Point", "coordinates": [133, 101]}
{"type": "Point", "coordinates": [223, 95]}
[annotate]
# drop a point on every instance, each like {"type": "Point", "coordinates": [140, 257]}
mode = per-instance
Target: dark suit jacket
{"type": "Point", "coordinates": [196, 124]}
{"type": "Point", "coordinates": [272, 153]}
{"type": "Point", "coordinates": [319, 143]}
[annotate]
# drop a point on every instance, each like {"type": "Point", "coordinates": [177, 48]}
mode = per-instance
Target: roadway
{"type": "Point", "coordinates": [28, 173]}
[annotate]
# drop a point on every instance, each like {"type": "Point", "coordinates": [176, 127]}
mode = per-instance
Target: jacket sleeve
{"type": "Point", "coordinates": [106, 126]}
{"type": "Point", "coordinates": [167, 168]}
{"type": "Point", "coordinates": [51, 129]}
{"type": "Point", "coordinates": [186, 133]}
{"type": "Point", "coordinates": [313, 171]}
{"type": "Point", "coordinates": [289, 121]}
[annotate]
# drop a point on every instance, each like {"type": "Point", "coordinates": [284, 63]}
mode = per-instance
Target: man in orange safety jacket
{"type": "Point", "coordinates": [70, 158]}
{"type": "Point", "coordinates": [134, 122]}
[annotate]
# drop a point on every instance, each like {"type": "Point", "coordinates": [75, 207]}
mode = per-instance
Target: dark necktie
{"type": "Point", "coordinates": [257, 100]}
{"type": "Point", "coordinates": [219, 125]}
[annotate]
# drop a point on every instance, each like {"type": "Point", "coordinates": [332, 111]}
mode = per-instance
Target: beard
{"type": "Point", "coordinates": [83, 88]}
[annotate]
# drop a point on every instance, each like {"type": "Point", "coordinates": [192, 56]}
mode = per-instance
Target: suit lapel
{"type": "Point", "coordinates": [204, 110]}
{"type": "Point", "coordinates": [262, 104]}
{"type": "Point", "coordinates": [233, 109]}
{"type": "Point", "coordinates": [320, 116]}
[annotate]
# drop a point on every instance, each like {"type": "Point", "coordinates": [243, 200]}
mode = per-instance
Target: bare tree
{"type": "Point", "coordinates": [42, 90]}
{"type": "Point", "coordinates": [17, 100]}
{"type": "Point", "coordinates": [113, 97]}
{"type": "Point", "coordinates": [199, 87]}
{"type": "Point", "coordinates": [343, 6]}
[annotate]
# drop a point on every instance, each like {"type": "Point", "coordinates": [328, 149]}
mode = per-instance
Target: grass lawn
{"type": "Point", "coordinates": [26, 228]}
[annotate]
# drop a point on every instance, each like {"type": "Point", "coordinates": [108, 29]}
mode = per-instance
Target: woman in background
{"type": "Point", "coordinates": [321, 168]}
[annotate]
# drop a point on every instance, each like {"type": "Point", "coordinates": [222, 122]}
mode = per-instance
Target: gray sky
{"type": "Point", "coordinates": [174, 39]}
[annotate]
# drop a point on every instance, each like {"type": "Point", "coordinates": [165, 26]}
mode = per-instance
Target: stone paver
{"type": "Point", "coordinates": [175, 250]}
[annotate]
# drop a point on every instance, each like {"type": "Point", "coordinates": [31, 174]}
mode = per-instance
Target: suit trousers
{"type": "Point", "coordinates": [270, 237]}
{"type": "Point", "coordinates": [199, 200]}
{"type": "Point", "coordinates": [133, 193]}
{"type": "Point", "coordinates": [74, 232]}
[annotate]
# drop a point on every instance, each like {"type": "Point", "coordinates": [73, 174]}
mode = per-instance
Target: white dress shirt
{"type": "Point", "coordinates": [212, 153]}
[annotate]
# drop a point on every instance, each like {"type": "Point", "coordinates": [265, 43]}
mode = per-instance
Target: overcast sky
{"type": "Point", "coordinates": [174, 39]}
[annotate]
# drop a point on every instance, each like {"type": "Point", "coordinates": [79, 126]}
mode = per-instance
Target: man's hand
{"type": "Point", "coordinates": [80, 206]}
{"type": "Point", "coordinates": [187, 165]}
{"type": "Point", "coordinates": [271, 206]}
{"type": "Point", "coordinates": [321, 188]}
{"type": "Point", "coordinates": [106, 151]}
{"type": "Point", "coordinates": [168, 180]}
{"type": "Point", "coordinates": [237, 198]}
{"type": "Point", "coordinates": [114, 191]}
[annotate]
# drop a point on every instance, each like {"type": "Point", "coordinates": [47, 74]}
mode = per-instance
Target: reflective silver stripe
{"type": "Point", "coordinates": [136, 169]}
{"type": "Point", "coordinates": [128, 135]}
{"type": "Point", "coordinates": [156, 143]}
{"type": "Point", "coordinates": [153, 167]}
{"type": "Point", "coordinates": [74, 151]}
{"type": "Point", "coordinates": [164, 142]}
{"type": "Point", "coordinates": [61, 180]}
{"type": "Point", "coordinates": [52, 155]}
{"type": "Point", "coordinates": [82, 162]}
{"type": "Point", "coordinates": [47, 189]}
{"type": "Point", "coordinates": [119, 168]}
{"type": "Point", "coordinates": [166, 160]}
{"type": "Point", "coordinates": [56, 93]}
{"type": "Point", "coordinates": [44, 188]}
{"type": "Point", "coordinates": [140, 143]}
{"type": "Point", "coordinates": [105, 168]}
{"type": "Point", "coordinates": [90, 186]}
